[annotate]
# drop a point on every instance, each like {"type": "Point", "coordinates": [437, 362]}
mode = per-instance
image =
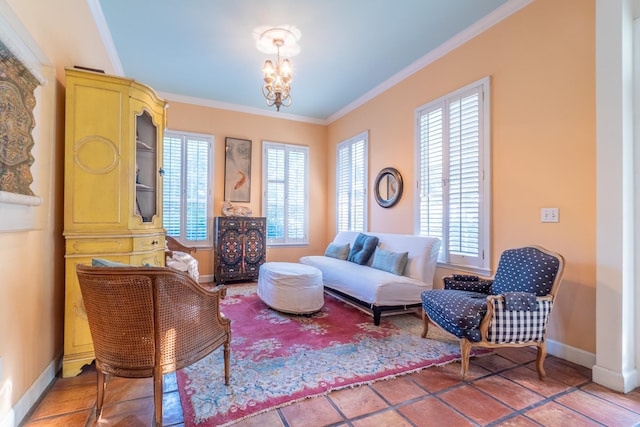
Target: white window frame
{"type": "Point", "coordinates": [286, 239]}
{"type": "Point", "coordinates": [356, 204]}
{"type": "Point", "coordinates": [210, 139]}
{"type": "Point", "coordinates": [448, 259]}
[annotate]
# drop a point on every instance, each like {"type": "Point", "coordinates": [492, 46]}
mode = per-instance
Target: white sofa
{"type": "Point", "coordinates": [377, 291]}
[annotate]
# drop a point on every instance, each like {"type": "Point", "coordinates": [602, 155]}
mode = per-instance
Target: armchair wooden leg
{"type": "Point", "coordinates": [227, 356]}
{"type": "Point", "coordinates": [542, 353]}
{"type": "Point", "coordinates": [425, 324]}
{"type": "Point", "coordinates": [465, 351]}
{"type": "Point", "coordinates": [102, 385]}
{"type": "Point", "coordinates": [158, 379]}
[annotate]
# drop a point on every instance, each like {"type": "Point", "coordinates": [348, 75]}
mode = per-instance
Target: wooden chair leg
{"type": "Point", "coordinates": [542, 353]}
{"type": "Point", "coordinates": [158, 380]}
{"type": "Point", "coordinates": [425, 324]}
{"type": "Point", "coordinates": [465, 351]}
{"type": "Point", "coordinates": [102, 385]}
{"type": "Point", "coordinates": [227, 356]}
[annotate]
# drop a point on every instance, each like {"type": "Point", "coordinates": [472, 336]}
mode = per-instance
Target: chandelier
{"type": "Point", "coordinates": [277, 77]}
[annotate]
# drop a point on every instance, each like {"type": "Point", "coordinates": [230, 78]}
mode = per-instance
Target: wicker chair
{"type": "Point", "coordinates": [149, 321]}
{"type": "Point", "coordinates": [511, 310]}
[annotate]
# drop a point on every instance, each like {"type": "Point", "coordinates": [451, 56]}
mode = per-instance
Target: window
{"type": "Point", "coordinates": [452, 166]}
{"type": "Point", "coordinates": [285, 193]}
{"type": "Point", "coordinates": [351, 183]}
{"type": "Point", "coordinates": [186, 192]}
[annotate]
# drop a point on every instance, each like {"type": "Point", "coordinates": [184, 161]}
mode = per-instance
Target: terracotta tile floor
{"type": "Point", "coordinates": [501, 390]}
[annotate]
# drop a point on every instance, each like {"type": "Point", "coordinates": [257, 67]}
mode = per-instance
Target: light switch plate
{"type": "Point", "coordinates": [549, 215]}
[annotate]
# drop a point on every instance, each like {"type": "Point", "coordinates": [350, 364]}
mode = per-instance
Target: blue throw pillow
{"type": "Point", "coordinates": [390, 261]}
{"type": "Point", "coordinates": [99, 262]}
{"type": "Point", "coordinates": [362, 249]}
{"type": "Point", "coordinates": [335, 250]}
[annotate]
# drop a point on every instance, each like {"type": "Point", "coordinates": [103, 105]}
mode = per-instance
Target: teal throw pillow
{"type": "Point", "coordinates": [334, 250]}
{"type": "Point", "coordinates": [362, 249]}
{"type": "Point", "coordinates": [390, 261]}
{"type": "Point", "coordinates": [99, 262]}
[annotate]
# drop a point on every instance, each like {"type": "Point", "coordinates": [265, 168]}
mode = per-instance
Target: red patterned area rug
{"type": "Point", "coordinates": [278, 359]}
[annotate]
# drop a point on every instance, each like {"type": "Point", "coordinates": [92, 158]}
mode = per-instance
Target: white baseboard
{"type": "Point", "coordinates": [622, 382]}
{"type": "Point", "coordinates": [20, 410]}
{"type": "Point", "coordinates": [572, 354]}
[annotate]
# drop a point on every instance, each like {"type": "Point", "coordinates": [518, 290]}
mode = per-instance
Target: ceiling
{"type": "Point", "coordinates": [204, 49]}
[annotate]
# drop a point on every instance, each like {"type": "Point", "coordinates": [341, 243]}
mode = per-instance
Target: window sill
{"type": "Point", "coordinates": [287, 245]}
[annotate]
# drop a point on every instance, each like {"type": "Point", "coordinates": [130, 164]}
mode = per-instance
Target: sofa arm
{"type": "Point", "coordinates": [463, 282]}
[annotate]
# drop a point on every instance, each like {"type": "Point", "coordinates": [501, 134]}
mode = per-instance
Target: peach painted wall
{"type": "Point", "coordinates": [225, 123]}
{"type": "Point", "coordinates": [541, 62]}
{"type": "Point", "coordinates": [32, 261]}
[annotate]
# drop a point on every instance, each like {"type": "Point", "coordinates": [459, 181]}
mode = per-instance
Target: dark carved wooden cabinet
{"type": "Point", "coordinates": [240, 248]}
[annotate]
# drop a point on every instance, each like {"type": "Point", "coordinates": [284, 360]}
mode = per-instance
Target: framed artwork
{"type": "Point", "coordinates": [237, 170]}
{"type": "Point", "coordinates": [17, 87]}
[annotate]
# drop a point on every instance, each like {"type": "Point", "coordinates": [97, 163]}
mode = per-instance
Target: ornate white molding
{"type": "Point", "coordinates": [12, 40]}
{"type": "Point", "coordinates": [19, 199]}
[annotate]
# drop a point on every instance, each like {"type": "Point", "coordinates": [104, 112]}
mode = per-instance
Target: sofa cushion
{"type": "Point", "coordinates": [392, 262]}
{"type": "Point", "coordinates": [362, 249]}
{"type": "Point", "coordinates": [365, 283]}
{"type": "Point", "coordinates": [423, 251]}
{"type": "Point", "coordinates": [335, 250]}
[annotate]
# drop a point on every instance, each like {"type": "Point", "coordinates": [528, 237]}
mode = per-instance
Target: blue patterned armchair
{"type": "Point", "coordinates": [512, 310]}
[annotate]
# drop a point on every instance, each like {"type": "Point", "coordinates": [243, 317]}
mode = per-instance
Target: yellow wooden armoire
{"type": "Point", "coordinates": [112, 188]}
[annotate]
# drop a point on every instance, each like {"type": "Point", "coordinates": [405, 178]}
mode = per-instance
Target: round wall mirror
{"type": "Point", "coordinates": [388, 187]}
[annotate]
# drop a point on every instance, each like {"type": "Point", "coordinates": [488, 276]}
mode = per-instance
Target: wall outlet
{"type": "Point", "coordinates": [550, 215]}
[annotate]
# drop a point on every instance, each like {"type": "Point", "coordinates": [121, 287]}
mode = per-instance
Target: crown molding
{"type": "Point", "coordinates": [105, 35]}
{"type": "Point", "coordinates": [239, 108]}
{"type": "Point", "coordinates": [18, 40]}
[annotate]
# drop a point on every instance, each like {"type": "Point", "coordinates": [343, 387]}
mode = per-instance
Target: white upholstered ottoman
{"type": "Point", "coordinates": [290, 287]}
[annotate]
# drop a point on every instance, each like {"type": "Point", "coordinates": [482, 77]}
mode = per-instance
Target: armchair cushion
{"type": "Point", "coordinates": [100, 262]}
{"type": "Point", "coordinates": [458, 312]}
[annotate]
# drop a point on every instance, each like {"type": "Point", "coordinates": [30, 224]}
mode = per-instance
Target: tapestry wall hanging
{"type": "Point", "coordinates": [237, 170]}
{"type": "Point", "coordinates": [17, 101]}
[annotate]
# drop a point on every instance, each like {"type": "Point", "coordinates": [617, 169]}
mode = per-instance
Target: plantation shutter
{"type": "Point", "coordinates": [197, 188]}
{"type": "Point", "coordinates": [285, 188]}
{"type": "Point", "coordinates": [171, 185]}
{"type": "Point", "coordinates": [186, 190]}
{"type": "Point", "coordinates": [296, 196]}
{"type": "Point", "coordinates": [464, 178]}
{"type": "Point", "coordinates": [451, 182]}
{"type": "Point", "coordinates": [351, 184]}
{"type": "Point", "coordinates": [432, 196]}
